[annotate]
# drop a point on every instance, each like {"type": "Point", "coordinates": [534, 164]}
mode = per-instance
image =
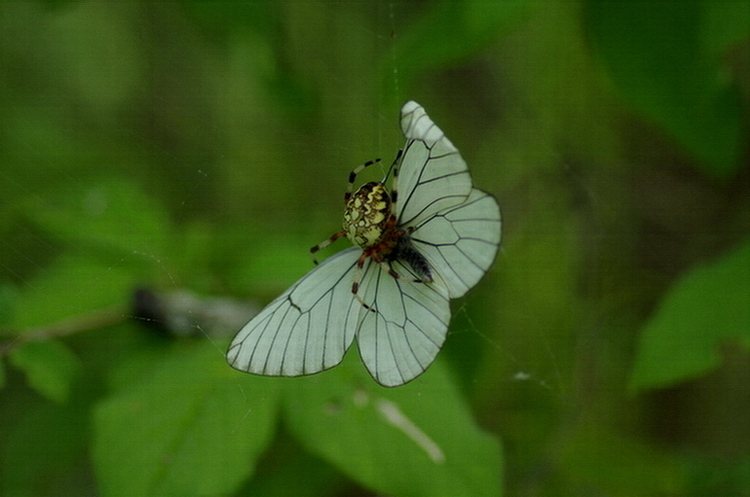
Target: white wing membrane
{"type": "Point", "coordinates": [308, 328]}
{"type": "Point", "coordinates": [399, 341]}
{"type": "Point", "coordinates": [433, 175]}
{"type": "Point", "coordinates": [455, 227]}
{"type": "Point", "coordinates": [461, 242]}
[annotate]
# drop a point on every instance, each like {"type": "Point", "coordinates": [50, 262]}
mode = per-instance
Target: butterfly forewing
{"type": "Point", "coordinates": [433, 175]}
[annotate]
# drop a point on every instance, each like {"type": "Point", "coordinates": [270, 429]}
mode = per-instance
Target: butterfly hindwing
{"type": "Point", "coordinates": [461, 242]}
{"type": "Point", "coordinates": [401, 338]}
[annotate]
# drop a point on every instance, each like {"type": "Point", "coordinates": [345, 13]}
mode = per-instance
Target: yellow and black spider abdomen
{"type": "Point", "coordinates": [366, 215]}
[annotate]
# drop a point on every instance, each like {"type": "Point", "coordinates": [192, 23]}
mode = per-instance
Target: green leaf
{"type": "Point", "coordinates": [708, 306]}
{"type": "Point", "coordinates": [472, 25]}
{"type": "Point", "coordinates": [274, 264]}
{"type": "Point", "coordinates": [42, 450]}
{"type": "Point", "coordinates": [728, 23]}
{"type": "Point", "coordinates": [8, 296]}
{"type": "Point", "coordinates": [70, 286]}
{"type": "Point", "coordinates": [50, 367]}
{"type": "Point", "coordinates": [419, 439]}
{"type": "Point", "coordinates": [192, 427]}
{"type": "Point", "coordinates": [282, 475]}
{"type": "Point", "coordinates": [663, 57]}
{"type": "Point", "coordinates": [595, 457]}
{"type": "Point", "coordinates": [113, 213]}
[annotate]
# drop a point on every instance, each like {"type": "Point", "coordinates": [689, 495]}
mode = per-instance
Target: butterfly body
{"type": "Point", "coordinates": [405, 251]}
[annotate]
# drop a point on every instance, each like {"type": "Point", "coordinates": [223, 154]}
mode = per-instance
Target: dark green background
{"type": "Point", "coordinates": [205, 146]}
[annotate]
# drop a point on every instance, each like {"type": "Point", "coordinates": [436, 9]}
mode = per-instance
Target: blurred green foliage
{"type": "Point", "coordinates": [682, 339]}
{"type": "Point", "coordinates": [670, 59]}
{"type": "Point", "coordinates": [206, 146]}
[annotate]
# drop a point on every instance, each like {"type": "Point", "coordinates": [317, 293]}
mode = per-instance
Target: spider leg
{"type": "Point", "coordinates": [393, 221]}
{"type": "Point", "coordinates": [394, 183]}
{"type": "Point", "coordinates": [324, 244]}
{"type": "Point", "coordinates": [358, 278]}
{"type": "Point", "coordinates": [384, 265]}
{"type": "Point", "coordinates": [388, 269]}
{"type": "Point", "coordinates": [347, 196]}
{"type": "Point", "coordinates": [353, 178]}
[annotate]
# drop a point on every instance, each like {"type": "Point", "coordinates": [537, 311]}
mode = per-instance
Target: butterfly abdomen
{"type": "Point", "coordinates": [404, 251]}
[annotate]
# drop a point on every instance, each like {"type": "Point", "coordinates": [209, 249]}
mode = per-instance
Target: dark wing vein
{"type": "Point", "coordinates": [433, 174]}
{"type": "Point", "coordinates": [402, 338]}
{"type": "Point", "coordinates": [305, 330]}
{"type": "Point", "coordinates": [460, 243]}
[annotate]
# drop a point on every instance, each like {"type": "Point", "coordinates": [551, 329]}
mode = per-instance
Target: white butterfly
{"type": "Point", "coordinates": [428, 241]}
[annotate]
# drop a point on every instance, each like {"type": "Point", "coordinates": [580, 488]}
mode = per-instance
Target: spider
{"type": "Point", "coordinates": [371, 223]}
